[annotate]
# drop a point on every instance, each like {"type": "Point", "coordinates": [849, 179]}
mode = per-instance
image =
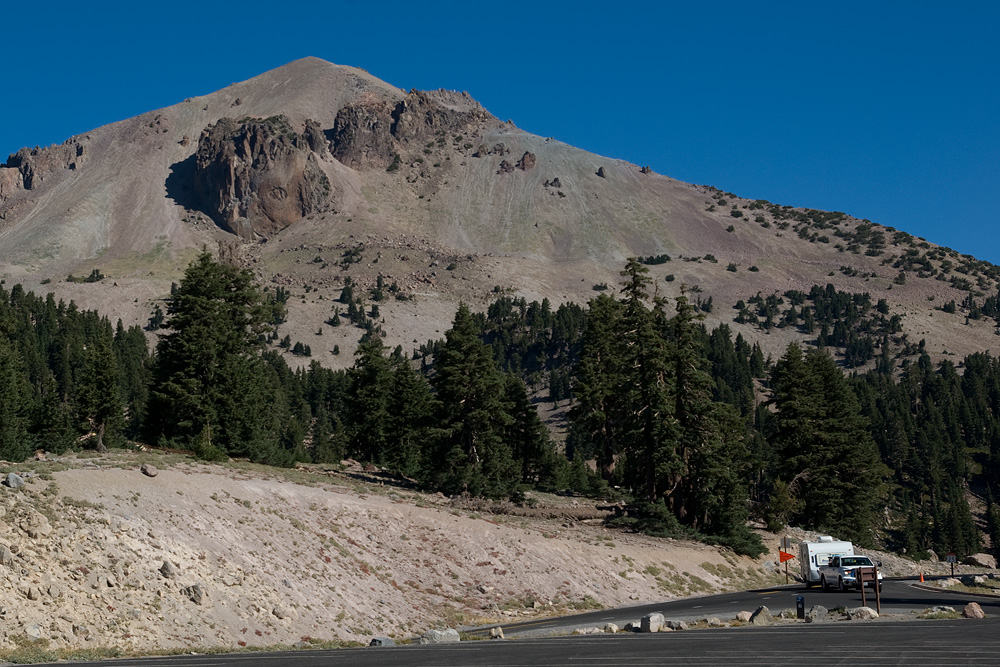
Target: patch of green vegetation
{"type": "Point", "coordinates": [938, 615]}
{"type": "Point", "coordinates": [95, 277]}
{"type": "Point", "coordinates": [586, 602]}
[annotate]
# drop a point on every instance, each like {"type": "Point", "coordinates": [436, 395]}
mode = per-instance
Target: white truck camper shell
{"type": "Point", "coordinates": [813, 555]}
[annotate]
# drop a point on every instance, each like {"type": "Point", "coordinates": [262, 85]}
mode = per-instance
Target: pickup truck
{"type": "Point", "coordinates": [840, 571]}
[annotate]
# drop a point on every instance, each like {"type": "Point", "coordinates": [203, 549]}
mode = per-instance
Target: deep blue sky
{"type": "Point", "coordinates": [888, 113]}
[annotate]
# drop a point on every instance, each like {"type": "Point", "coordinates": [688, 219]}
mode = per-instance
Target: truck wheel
{"type": "Point", "coordinates": [809, 584]}
{"type": "Point", "coordinates": [840, 585]}
{"type": "Point", "coordinates": [822, 582]}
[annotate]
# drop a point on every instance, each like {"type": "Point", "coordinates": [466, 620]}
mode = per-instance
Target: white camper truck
{"type": "Point", "coordinates": [814, 555]}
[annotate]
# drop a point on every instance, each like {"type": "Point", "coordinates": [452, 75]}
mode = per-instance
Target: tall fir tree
{"type": "Point", "coordinates": [368, 401]}
{"type": "Point", "coordinates": [655, 466]}
{"type": "Point", "coordinates": [15, 444]}
{"type": "Point", "coordinates": [411, 410]}
{"type": "Point", "coordinates": [210, 384]}
{"type": "Point", "coordinates": [828, 456]}
{"type": "Point", "coordinates": [101, 403]}
{"type": "Point", "coordinates": [600, 373]}
{"type": "Point", "coordinates": [469, 454]}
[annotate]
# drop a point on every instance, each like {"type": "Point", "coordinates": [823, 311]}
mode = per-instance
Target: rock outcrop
{"type": "Point", "coordinates": [362, 135]}
{"type": "Point", "coordinates": [422, 114]}
{"type": "Point", "coordinates": [257, 176]}
{"type": "Point", "coordinates": [371, 132]}
{"type": "Point", "coordinates": [35, 164]}
{"type": "Point", "coordinates": [527, 161]}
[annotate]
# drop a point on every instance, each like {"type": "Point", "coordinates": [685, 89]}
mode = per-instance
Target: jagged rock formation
{"type": "Point", "coordinates": [422, 114]}
{"type": "Point", "coordinates": [34, 164]}
{"type": "Point", "coordinates": [362, 134]}
{"type": "Point", "coordinates": [369, 133]}
{"type": "Point", "coordinates": [527, 162]}
{"type": "Point", "coordinates": [257, 176]}
{"type": "Point", "coordinates": [26, 169]}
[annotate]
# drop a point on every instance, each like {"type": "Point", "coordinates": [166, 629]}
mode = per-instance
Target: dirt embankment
{"type": "Point", "coordinates": [94, 553]}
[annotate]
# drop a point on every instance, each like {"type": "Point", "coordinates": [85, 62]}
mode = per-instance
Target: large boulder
{"type": "Point", "coordinates": [258, 176]}
{"type": "Point", "coordinates": [862, 614]}
{"type": "Point", "coordinates": [169, 570]}
{"type": "Point", "coordinates": [35, 525]}
{"type": "Point", "coordinates": [762, 616]}
{"type": "Point", "coordinates": [981, 560]}
{"type": "Point", "coordinates": [13, 480]}
{"type": "Point", "coordinates": [439, 636]}
{"type": "Point", "coordinates": [973, 610]}
{"type": "Point", "coordinates": [817, 614]}
{"type": "Point", "coordinates": [651, 622]}
{"type": "Point", "coordinates": [527, 161]}
{"type": "Point", "coordinates": [195, 593]}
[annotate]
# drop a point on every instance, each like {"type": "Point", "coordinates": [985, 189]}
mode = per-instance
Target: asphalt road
{"type": "Point", "coordinates": [918, 643]}
{"type": "Point", "coordinates": [898, 596]}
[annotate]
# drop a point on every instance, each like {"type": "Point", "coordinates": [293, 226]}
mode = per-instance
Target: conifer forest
{"type": "Point", "coordinates": [693, 432]}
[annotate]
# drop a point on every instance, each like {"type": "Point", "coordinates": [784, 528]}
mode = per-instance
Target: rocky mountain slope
{"type": "Point", "coordinates": [313, 172]}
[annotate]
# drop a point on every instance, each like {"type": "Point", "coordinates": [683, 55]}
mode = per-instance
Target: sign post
{"type": "Point", "coordinates": [785, 554]}
{"type": "Point", "coordinates": [870, 574]}
{"type": "Point", "coordinates": [952, 558]}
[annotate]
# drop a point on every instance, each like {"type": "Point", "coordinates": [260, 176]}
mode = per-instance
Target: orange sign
{"type": "Point", "coordinates": [784, 555]}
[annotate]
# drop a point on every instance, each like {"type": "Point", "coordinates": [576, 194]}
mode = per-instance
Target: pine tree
{"type": "Point", "coordinates": [527, 436]}
{"type": "Point", "coordinates": [134, 364]}
{"type": "Point", "coordinates": [598, 378]}
{"type": "Point", "coordinates": [411, 409]}
{"type": "Point", "coordinates": [210, 383]}
{"type": "Point", "coordinates": [711, 444]}
{"type": "Point", "coordinates": [469, 454]}
{"type": "Point", "coordinates": [368, 401]}
{"type": "Point", "coordinates": [100, 402]}
{"type": "Point", "coordinates": [15, 445]}
{"type": "Point", "coordinates": [828, 457]}
{"type": "Point", "coordinates": [655, 467]}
